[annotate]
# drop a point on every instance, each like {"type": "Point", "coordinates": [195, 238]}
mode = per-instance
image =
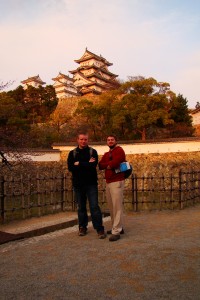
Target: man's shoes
{"type": "Point", "coordinates": [101, 234]}
{"type": "Point", "coordinates": [114, 237]}
{"type": "Point", "coordinates": [82, 231]}
{"type": "Point", "coordinates": [110, 231]}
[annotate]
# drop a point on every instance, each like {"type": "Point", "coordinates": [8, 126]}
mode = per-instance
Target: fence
{"type": "Point", "coordinates": [29, 196]}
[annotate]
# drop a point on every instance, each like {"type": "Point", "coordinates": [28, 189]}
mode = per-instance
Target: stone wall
{"type": "Point", "coordinates": [162, 163]}
{"type": "Point", "coordinates": [143, 164]}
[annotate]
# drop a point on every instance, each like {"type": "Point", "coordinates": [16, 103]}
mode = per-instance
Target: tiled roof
{"type": "Point", "coordinates": [33, 79]}
{"type": "Point", "coordinates": [60, 75]}
{"type": "Point", "coordinates": [92, 55]}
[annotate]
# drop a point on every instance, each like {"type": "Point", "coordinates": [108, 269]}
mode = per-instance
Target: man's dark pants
{"type": "Point", "coordinates": [89, 192]}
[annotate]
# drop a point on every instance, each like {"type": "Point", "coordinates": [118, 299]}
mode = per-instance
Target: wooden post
{"type": "Point", "coordinates": [132, 190]}
{"type": "Point", "coordinates": [29, 195]}
{"type": "Point", "coordinates": [2, 195]}
{"type": "Point", "coordinates": [62, 191]}
{"type": "Point", "coordinates": [38, 195]}
{"type": "Point", "coordinates": [135, 191]}
{"type": "Point", "coordinates": [180, 191]}
{"type": "Point", "coordinates": [22, 196]}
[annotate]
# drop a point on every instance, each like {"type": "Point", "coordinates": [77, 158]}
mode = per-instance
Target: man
{"type": "Point", "coordinates": [82, 162]}
{"type": "Point", "coordinates": [114, 185]}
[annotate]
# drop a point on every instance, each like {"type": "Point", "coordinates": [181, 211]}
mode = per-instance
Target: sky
{"type": "Point", "coordinates": [150, 38]}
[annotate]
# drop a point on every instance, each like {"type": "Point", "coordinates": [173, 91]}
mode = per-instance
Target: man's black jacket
{"type": "Point", "coordinates": [85, 173]}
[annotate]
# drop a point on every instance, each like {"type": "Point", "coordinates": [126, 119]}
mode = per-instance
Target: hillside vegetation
{"type": "Point", "coordinates": [140, 109]}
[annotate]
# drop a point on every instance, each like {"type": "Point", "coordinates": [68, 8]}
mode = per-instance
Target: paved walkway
{"type": "Point", "coordinates": [21, 229]}
{"type": "Point", "coordinates": [157, 258]}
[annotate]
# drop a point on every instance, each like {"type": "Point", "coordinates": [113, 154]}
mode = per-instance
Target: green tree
{"type": "Point", "coordinates": [20, 109]}
{"type": "Point", "coordinates": [86, 113]}
{"type": "Point", "coordinates": [147, 102]}
{"type": "Point", "coordinates": [179, 112]}
{"type": "Point", "coordinates": [48, 98]}
{"type": "Point", "coordinates": [13, 124]}
{"type": "Point", "coordinates": [62, 115]}
{"type": "Point", "coordinates": [42, 136]}
{"type": "Point", "coordinates": [18, 94]}
{"type": "Point", "coordinates": [38, 103]}
{"type": "Point", "coordinates": [10, 111]}
{"type": "Point", "coordinates": [97, 114]}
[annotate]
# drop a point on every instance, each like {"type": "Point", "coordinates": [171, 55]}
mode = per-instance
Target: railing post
{"type": "Point", "coordinates": [73, 203]}
{"type": "Point", "coordinates": [180, 190]}
{"type": "Point", "coordinates": [2, 195]}
{"type": "Point", "coordinates": [22, 196]}
{"type": "Point", "coordinates": [135, 191]}
{"type": "Point", "coordinates": [62, 191]}
{"type": "Point", "coordinates": [38, 194]}
{"type": "Point", "coordinates": [198, 183]}
{"type": "Point", "coordinates": [132, 191]}
{"type": "Point", "coordinates": [171, 191]}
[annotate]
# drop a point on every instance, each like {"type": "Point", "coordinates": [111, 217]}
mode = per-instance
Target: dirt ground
{"type": "Point", "coordinates": [158, 257]}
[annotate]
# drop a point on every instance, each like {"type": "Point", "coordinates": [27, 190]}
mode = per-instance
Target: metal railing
{"type": "Point", "coordinates": [29, 196]}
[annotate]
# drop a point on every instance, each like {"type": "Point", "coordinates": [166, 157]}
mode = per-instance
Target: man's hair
{"type": "Point", "coordinates": [112, 135]}
{"type": "Point", "coordinates": [82, 133]}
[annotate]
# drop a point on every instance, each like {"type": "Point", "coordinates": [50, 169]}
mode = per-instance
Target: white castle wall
{"type": "Point", "coordinates": [184, 146]}
{"type": "Point", "coordinates": [37, 156]}
{"type": "Point", "coordinates": [141, 148]}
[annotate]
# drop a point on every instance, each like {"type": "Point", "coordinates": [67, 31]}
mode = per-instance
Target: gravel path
{"type": "Point", "coordinates": [157, 258]}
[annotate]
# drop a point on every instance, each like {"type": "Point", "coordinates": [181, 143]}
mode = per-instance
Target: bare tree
{"type": "Point", "coordinates": [5, 85]}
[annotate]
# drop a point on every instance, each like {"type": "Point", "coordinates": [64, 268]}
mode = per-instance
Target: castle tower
{"type": "Point", "coordinates": [92, 76]}
{"type": "Point", "coordinates": [34, 81]}
{"type": "Point", "coordinates": [64, 86]}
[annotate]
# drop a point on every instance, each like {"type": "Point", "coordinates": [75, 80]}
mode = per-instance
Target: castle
{"type": "Point", "coordinates": [91, 77]}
